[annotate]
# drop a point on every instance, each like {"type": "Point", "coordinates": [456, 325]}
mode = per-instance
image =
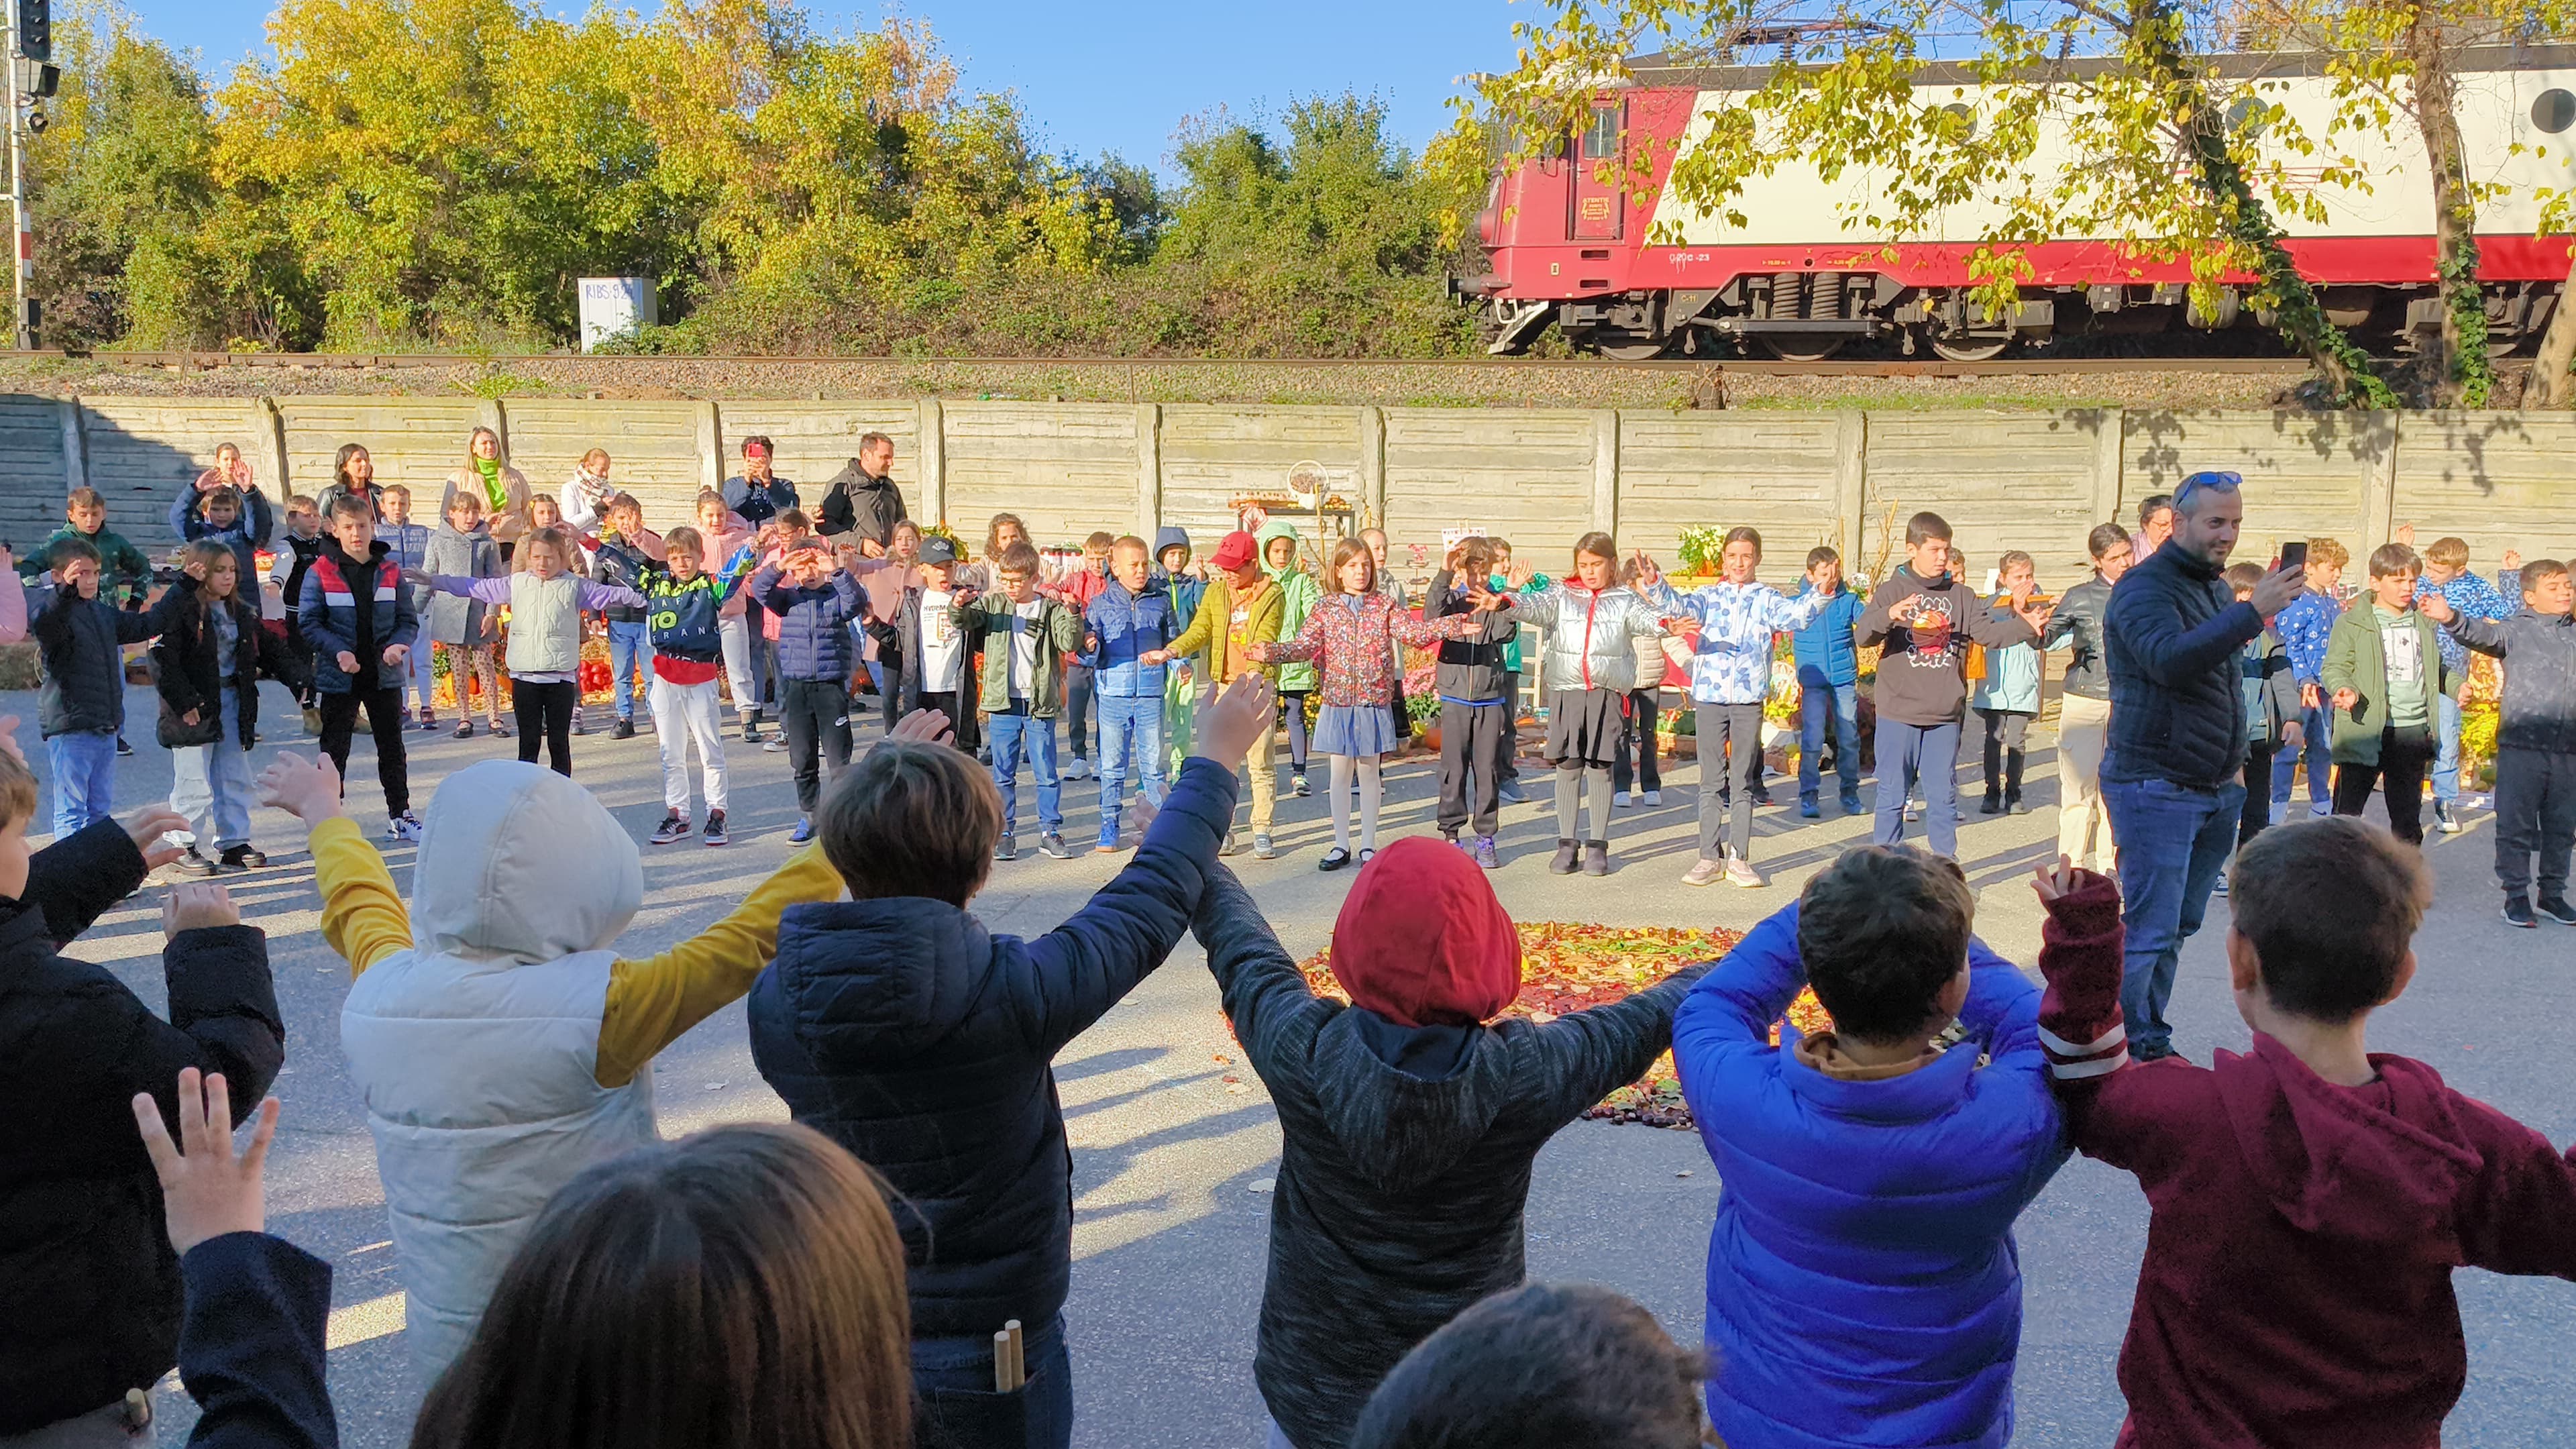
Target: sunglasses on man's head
{"type": "Point", "coordinates": [2217, 481]}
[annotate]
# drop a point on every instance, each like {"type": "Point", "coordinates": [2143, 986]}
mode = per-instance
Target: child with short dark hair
{"type": "Point", "coordinates": [630, 635]}
{"type": "Point", "coordinates": [1541, 1366]}
{"type": "Point", "coordinates": [2305, 628]}
{"type": "Point", "coordinates": [1025, 638]}
{"type": "Point", "coordinates": [2384, 676]}
{"type": "Point", "coordinates": [80, 640]}
{"type": "Point", "coordinates": [357, 611]}
{"type": "Point", "coordinates": [2310, 1199]}
{"type": "Point", "coordinates": [124, 574]}
{"type": "Point", "coordinates": [303, 542]}
{"type": "Point", "coordinates": [1894, 1160]}
{"type": "Point", "coordinates": [900, 1027]}
{"type": "Point", "coordinates": [1828, 684]}
{"type": "Point", "coordinates": [2272, 709]}
{"type": "Point", "coordinates": [2535, 760]}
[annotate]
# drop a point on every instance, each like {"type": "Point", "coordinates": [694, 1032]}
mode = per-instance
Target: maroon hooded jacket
{"type": "Point", "coordinates": [2297, 1282]}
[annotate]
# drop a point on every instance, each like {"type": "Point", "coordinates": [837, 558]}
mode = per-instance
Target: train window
{"type": "Point", "coordinates": [1601, 138]}
{"type": "Point", "coordinates": [1963, 120]}
{"type": "Point", "coordinates": [2555, 111]}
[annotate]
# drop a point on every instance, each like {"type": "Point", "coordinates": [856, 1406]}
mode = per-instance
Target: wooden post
{"type": "Point", "coordinates": [492, 415]}
{"type": "Point", "coordinates": [929, 430]}
{"type": "Point", "coordinates": [1149, 469]}
{"type": "Point", "coordinates": [1605, 470]}
{"type": "Point", "coordinates": [1851, 483]}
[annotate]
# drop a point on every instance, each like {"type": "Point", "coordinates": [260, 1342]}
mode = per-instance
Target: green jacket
{"type": "Point", "coordinates": [1062, 632]}
{"type": "Point", "coordinates": [1298, 593]}
{"type": "Point", "coordinates": [1215, 620]}
{"type": "Point", "coordinates": [2356, 661]}
{"type": "Point", "coordinates": [121, 566]}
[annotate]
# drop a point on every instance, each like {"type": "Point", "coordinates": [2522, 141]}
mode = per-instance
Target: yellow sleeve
{"type": "Point", "coordinates": [1202, 630]}
{"type": "Point", "coordinates": [363, 917]}
{"type": "Point", "coordinates": [653, 1000]}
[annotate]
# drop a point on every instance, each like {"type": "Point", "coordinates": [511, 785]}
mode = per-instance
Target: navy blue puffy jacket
{"type": "Point", "coordinates": [814, 640]}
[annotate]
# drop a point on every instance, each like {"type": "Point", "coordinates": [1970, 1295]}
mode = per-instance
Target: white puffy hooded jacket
{"type": "Point", "coordinates": [476, 1050]}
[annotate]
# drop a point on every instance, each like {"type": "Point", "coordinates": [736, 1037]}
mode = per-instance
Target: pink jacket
{"type": "Point", "coordinates": [1354, 646]}
{"type": "Point", "coordinates": [720, 547]}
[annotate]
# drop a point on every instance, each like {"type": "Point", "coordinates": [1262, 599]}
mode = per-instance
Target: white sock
{"type": "Point", "coordinates": [1342, 801]}
{"type": "Point", "coordinates": [1372, 785]}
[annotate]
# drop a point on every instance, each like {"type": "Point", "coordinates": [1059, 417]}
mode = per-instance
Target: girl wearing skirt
{"type": "Point", "coordinates": [1592, 622]}
{"type": "Point", "coordinates": [1351, 636]}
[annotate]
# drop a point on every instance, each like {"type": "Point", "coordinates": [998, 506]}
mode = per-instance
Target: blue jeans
{"type": "Point", "coordinates": [2317, 750]}
{"type": "Point", "coordinates": [1014, 733]}
{"type": "Point", "coordinates": [211, 784]}
{"type": "Point", "coordinates": [959, 1372]}
{"type": "Point", "coordinates": [1839, 703]}
{"type": "Point", "coordinates": [1929, 753]}
{"type": "Point", "coordinates": [2173, 843]}
{"type": "Point", "coordinates": [1128, 723]}
{"type": "Point", "coordinates": [84, 767]}
{"type": "Point", "coordinates": [2446, 764]}
{"type": "Point", "coordinates": [630, 665]}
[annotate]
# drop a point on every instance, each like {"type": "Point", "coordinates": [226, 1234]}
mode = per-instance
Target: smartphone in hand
{"type": "Point", "coordinates": [2294, 554]}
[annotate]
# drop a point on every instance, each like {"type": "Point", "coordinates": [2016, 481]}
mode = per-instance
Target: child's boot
{"type": "Point", "coordinates": [1596, 857]}
{"type": "Point", "coordinates": [1564, 864]}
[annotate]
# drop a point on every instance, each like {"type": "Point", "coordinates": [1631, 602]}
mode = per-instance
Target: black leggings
{"type": "Point", "coordinates": [1292, 711]}
{"type": "Point", "coordinates": [544, 713]}
{"type": "Point", "coordinates": [385, 720]}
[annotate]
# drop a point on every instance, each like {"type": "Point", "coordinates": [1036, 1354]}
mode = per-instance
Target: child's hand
{"type": "Point", "coordinates": [1228, 725]}
{"type": "Point", "coordinates": [2054, 882]}
{"type": "Point", "coordinates": [309, 790]}
{"type": "Point", "coordinates": [1155, 656]}
{"type": "Point", "coordinates": [2345, 699]}
{"type": "Point", "coordinates": [2512, 558]}
{"type": "Point", "coordinates": [146, 827]}
{"type": "Point", "coordinates": [347, 661]}
{"type": "Point", "coordinates": [2406, 534]}
{"type": "Point", "coordinates": [206, 1192]}
{"type": "Point", "coordinates": [196, 906]}
{"type": "Point", "coordinates": [2310, 696]}
{"type": "Point", "coordinates": [2437, 608]}
{"type": "Point", "coordinates": [9, 739]}
{"type": "Point", "coordinates": [418, 577]}
{"type": "Point", "coordinates": [2294, 737]}
{"type": "Point", "coordinates": [395, 654]}
{"type": "Point", "coordinates": [927, 726]}
{"type": "Point", "coordinates": [1520, 574]}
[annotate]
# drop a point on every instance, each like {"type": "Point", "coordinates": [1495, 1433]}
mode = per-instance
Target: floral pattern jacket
{"type": "Point", "coordinates": [1352, 638]}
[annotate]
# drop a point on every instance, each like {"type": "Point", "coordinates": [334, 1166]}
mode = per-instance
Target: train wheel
{"type": "Point", "coordinates": [1624, 346]}
{"type": "Point", "coordinates": [1968, 348]}
{"type": "Point", "coordinates": [1800, 348]}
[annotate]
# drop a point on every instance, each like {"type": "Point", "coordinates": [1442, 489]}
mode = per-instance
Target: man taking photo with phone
{"type": "Point", "coordinates": [2170, 778]}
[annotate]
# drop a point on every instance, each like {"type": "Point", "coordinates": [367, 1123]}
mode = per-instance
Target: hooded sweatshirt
{"type": "Point", "coordinates": [2302, 1235]}
{"type": "Point", "coordinates": [512, 1047]}
{"type": "Point", "coordinates": [1298, 594]}
{"type": "Point", "coordinates": [1409, 1128]}
{"type": "Point", "coordinates": [1923, 665]}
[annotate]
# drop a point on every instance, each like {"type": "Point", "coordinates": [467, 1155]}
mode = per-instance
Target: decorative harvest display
{"type": "Point", "coordinates": [1567, 966]}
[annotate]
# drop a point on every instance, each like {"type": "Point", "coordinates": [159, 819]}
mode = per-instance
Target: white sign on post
{"type": "Point", "coordinates": [614, 307]}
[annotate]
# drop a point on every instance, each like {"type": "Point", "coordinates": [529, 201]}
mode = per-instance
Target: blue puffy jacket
{"type": "Point", "coordinates": [814, 639]}
{"type": "Point", "coordinates": [905, 1031]}
{"type": "Point", "coordinates": [1863, 1287]}
{"type": "Point", "coordinates": [1128, 625]}
{"type": "Point", "coordinates": [327, 612]}
{"type": "Point", "coordinates": [1824, 649]}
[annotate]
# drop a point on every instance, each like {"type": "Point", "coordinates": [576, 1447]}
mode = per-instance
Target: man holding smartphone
{"type": "Point", "coordinates": [2171, 775]}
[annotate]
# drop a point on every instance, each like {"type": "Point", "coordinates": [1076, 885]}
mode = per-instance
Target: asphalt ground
{"type": "Point", "coordinates": [1171, 1161]}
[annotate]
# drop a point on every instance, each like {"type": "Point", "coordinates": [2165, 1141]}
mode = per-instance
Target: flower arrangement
{"type": "Point", "coordinates": [1702, 548]}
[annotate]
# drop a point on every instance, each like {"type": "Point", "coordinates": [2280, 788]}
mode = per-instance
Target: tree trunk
{"type": "Point", "coordinates": [2156, 31]}
{"type": "Point", "coordinates": [2463, 374]}
{"type": "Point", "coordinates": [2553, 372]}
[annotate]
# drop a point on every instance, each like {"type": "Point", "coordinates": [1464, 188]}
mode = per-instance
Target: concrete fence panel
{"type": "Point", "coordinates": [416, 442]}
{"type": "Point", "coordinates": [1770, 471]}
{"type": "Point", "coordinates": [1213, 455]}
{"type": "Point", "coordinates": [2498, 480]}
{"type": "Point", "coordinates": [652, 449]}
{"type": "Point", "coordinates": [817, 439]}
{"type": "Point", "coordinates": [2002, 481]}
{"type": "Point", "coordinates": [1065, 468]}
{"type": "Point", "coordinates": [139, 452]}
{"type": "Point", "coordinates": [1526, 475]}
{"type": "Point", "coordinates": [2306, 474]}
{"type": "Point", "coordinates": [31, 459]}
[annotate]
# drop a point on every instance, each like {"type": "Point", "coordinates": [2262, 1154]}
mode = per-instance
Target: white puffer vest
{"type": "Point", "coordinates": [475, 1051]}
{"type": "Point", "coordinates": [545, 624]}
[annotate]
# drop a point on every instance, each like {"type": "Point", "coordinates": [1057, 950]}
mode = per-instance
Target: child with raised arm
{"type": "Point", "coordinates": [1475, 698]}
{"type": "Point", "coordinates": [467, 631]}
{"type": "Point", "coordinates": [2447, 573]}
{"type": "Point", "coordinates": [80, 654]}
{"type": "Point", "coordinates": [2310, 1199]}
{"type": "Point", "coordinates": [1828, 664]}
{"type": "Point", "coordinates": [682, 601]}
{"type": "Point", "coordinates": [813, 603]}
{"type": "Point", "coordinates": [359, 618]}
{"type": "Point", "coordinates": [1592, 623]}
{"type": "Point", "coordinates": [546, 600]}
{"type": "Point", "coordinates": [1351, 637]}
{"type": "Point", "coordinates": [513, 1046]}
{"type": "Point", "coordinates": [2535, 737]}
{"type": "Point", "coordinates": [1863, 1286]}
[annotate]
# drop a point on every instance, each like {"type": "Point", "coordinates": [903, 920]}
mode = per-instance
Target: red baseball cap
{"type": "Point", "coordinates": [1235, 550]}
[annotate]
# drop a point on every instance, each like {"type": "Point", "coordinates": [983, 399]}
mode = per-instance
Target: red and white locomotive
{"type": "Point", "coordinates": [1633, 273]}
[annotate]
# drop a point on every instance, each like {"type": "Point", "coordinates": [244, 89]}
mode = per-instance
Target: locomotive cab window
{"type": "Point", "coordinates": [2554, 111]}
{"type": "Point", "coordinates": [1601, 137]}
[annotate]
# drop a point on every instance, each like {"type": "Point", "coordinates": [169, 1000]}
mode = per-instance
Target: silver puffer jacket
{"type": "Point", "coordinates": [1579, 623]}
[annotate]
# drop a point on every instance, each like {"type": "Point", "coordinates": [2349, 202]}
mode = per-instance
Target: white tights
{"type": "Point", "coordinates": [1371, 786]}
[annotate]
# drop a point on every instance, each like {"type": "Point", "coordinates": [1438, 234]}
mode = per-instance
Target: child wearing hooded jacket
{"type": "Point", "coordinates": [1298, 593]}
{"type": "Point", "coordinates": [901, 1028]}
{"type": "Point", "coordinates": [499, 1042]}
{"type": "Point", "coordinates": [2309, 1200]}
{"type": "Point", "coordinates": [1410, 1125]}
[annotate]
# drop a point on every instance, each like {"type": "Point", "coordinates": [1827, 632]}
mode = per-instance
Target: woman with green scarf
{"type": "Point", "coordinates": [503, 489]}
{"type": "Point", "coordinates": [1279, 548]}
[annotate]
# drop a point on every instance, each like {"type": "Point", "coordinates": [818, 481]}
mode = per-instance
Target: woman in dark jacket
{"type": "Point", "coordinates": [1409, 1125]}
{"type": "Point", "coordinates": [207, 666]}
{"type": "Point", "coordinates": [2084, 706]}
{"type": "Point", "coordinates": [89, 1285]}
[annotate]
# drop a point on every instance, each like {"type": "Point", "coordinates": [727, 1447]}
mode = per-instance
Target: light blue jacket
{"type": "Point", "coordinates": [1863, 1287]}
{"type": "Point", "coordinates": [1736, 625]}
{"type": "Point", "coordinates": [2012, 676]}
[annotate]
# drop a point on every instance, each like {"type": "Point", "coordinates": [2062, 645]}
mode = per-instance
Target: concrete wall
{"type": "Point", "coordinates": [2035, 481]}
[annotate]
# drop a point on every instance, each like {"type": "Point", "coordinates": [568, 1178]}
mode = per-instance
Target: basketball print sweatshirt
{"type": "Point", "coordinates": [1923, 666]}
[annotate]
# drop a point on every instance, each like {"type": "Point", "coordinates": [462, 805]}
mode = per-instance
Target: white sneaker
{"type": "Point", "coordinates": [1740, 872]}
{"type": "Point", "coordinates": [1654, 797]}
{"type": "Point", "coordinates": [403, 827]}
{"type": "Point", "coordinates": [1704, 872]}
{"type": "Point", "coordinates": [1621, 799]}
{"type": "Point", "coordinates": [1077, 768]}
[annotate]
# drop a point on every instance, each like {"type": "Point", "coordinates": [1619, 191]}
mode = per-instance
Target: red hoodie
{"type": "Point", "coordinates": [2297, 1282]}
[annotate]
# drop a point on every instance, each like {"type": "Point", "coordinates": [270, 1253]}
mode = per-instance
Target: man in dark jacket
{"type": "Point", "coordinates": [2171, 638]}
{"type": "Point", "coordinates": [757, 494]}
{"type": "Point", "coordinates": [861, 500]}
{"type": "Point", "coordinates": [89, 1282]}
{"type": "Point", "coordinates": [1409, 1126]}
{"type": "Point", "coordinates": [900, 1027]}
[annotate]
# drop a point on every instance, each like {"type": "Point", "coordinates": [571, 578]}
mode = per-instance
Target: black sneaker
{"type": "Point", "coordinates": [193, 863]}
{"type": "Point", "coordinates": [1052, 846]}
{"type": "Point", "coordinates": [122, 748]}
{"type": "Point", "coordinates": [624, 729]}
{"type": "Point", "coordinates": [751, 732]}
{"type": "Point", "coordinates": [2517, 912]}
{"type": "Point", "coordinates": [674, 826]}
{"type": "Point", "coordinates": [715, 834]}
{"type": "Point", "coordinates": [1993, 805]}
{"type": "Point", "coordinates": [243, 857]}
{"type": "Point", "coordinates": [2557, 909]}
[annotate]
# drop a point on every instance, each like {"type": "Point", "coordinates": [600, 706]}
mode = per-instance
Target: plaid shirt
{"type": "Point", "coordinates": [1736, 623]}
{"type": "Point", "coordinates": [2304, 627]}
{"type": "Point", "coordinates": [2475, 598]}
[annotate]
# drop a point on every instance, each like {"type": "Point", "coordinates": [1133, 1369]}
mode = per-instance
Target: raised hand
{"type": "Point", "coordinates": [146, 827]}
{"type": "Point", "coordinates": [2512, 559]}
{"type": "Point", "coordinates": [1904, 609]}
{"type": "Point", "coordinates": [2053, 880]}
{"type": "Point", "coordinates": [2279, 589]}
{"type": "Point", "coordinates": [2406, 534]}
{"type": "Point", "coordinates": [195, 906]}
{"type": "Point", "coordinates": [1229, 724]}
{"type": "Point", "coordinates": [1519, 574]}
{"type": "Point", "coordinates": [419, 578]}
{"type": "Point", "coordinates": [309, 790]}
{"type": "Point", "coordinates": [926, 726]}
{"type": "Point", "coordinates": [206, 1192]}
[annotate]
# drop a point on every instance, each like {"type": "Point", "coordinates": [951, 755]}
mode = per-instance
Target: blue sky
{"type": "Point", "coordinates": [1110, 77]}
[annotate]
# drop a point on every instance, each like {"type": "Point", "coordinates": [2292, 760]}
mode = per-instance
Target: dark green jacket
{"type": "Point", "coordinates": [2355, 661]}
{"type": "Point", "coordinates": [123, 571]}
{"type": "Point", "coordinates": [989, 617]}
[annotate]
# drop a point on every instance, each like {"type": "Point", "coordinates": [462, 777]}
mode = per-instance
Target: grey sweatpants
{"type": "Point", "coordinates": [1722, 725]}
